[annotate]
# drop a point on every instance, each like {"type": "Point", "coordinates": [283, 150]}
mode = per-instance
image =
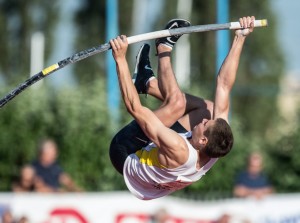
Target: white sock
{"type": "Point", "coordinates": [147, 83]}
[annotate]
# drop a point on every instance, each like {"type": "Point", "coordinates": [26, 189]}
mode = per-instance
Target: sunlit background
{"type": "Point", "coordinates": [79, 107]}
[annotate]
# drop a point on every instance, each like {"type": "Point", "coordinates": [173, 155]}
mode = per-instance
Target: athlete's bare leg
{"type": "Point", "coordinates": [173, 100]}
{"type": "Point", "coordinates": [196, 108]}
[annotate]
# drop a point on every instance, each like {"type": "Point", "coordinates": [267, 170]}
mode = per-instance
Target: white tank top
{"type": "Point", "coordinates": [147, 179]}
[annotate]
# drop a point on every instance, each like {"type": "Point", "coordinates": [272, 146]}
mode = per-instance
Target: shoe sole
{"type": "Point", "coordinates": [173, 20]}
{"type": "Point", "coordinates": [169, 37]}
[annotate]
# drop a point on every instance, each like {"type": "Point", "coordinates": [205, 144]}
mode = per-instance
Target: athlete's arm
{"type": "Point", "coordinates": [227, 73]}
{"type": "Point", "coordinates": [171, 144]}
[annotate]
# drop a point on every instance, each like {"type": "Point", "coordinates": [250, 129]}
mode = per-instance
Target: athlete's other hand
{"type": "Point", "coordinates": [119, 47]}
{"type": "Point", "coordinates": [248, 26]}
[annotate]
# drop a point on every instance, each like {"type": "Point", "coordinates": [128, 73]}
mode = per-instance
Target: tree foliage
{"type": "Point", "coordinates": [77, 120]}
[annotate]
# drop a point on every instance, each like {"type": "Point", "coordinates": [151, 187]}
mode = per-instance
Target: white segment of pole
{"type": "Point", "coordinates": [191, 29]}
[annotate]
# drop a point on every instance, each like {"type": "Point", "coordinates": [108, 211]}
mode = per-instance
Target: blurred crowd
{"type": "Point", "coordinates": [252, 182]}
{"type": "Point", "coordinates": [6, 217]}
{"type": "Point", "coordinates": [44, 174]}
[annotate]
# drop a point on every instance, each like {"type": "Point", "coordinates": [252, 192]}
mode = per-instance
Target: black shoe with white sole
{"type": "Point", "coordinates": [142, 71]}
{"type": "Point", "coordinates": [171, 40]}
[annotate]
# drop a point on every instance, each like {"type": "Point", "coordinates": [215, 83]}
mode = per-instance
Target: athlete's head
{"type": "Point", "coordinates": [214, 136]}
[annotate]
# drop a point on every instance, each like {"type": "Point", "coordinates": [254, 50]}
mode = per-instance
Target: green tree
{"type": "Point", "coordinates": [284, 153]}
{"type": "Point", "coordinates": [77, 120]}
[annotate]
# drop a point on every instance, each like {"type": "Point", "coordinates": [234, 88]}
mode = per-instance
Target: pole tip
{"type": "Point", "coordinates": [264, 22]}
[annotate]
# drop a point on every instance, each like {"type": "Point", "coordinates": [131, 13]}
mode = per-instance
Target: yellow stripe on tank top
{"type": "Point", "coordinates": [150, 158]}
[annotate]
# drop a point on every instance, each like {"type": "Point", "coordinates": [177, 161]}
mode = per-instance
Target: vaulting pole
{"type": "Point", "coordinates": [106, 46]}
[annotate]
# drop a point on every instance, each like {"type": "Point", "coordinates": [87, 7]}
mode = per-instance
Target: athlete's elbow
{"type": "Point", "coordinates": [133, 108]}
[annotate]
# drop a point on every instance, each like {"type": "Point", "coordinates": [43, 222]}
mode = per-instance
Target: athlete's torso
{"type": "Point", "coordinates": [147, 179]}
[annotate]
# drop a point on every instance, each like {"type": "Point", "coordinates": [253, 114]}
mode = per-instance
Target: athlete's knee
{"type": "Point", "coordinates": [176, 103]}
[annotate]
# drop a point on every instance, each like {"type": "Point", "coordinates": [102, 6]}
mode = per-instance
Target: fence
{"type": "Point", "coordinates": [122, 207]}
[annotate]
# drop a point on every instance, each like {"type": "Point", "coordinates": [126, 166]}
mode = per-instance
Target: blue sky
{"type": "Point", "coordinates": [287, 12]}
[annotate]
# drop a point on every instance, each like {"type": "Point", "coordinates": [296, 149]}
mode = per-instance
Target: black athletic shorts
{"type": "Point", "coordinates": [130, 139]}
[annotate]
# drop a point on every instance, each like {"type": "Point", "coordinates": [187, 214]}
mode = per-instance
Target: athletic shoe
{"type": "Point", "coordinates": [171, 40]}
{"type": "Point", "coordinates": [142, 71]}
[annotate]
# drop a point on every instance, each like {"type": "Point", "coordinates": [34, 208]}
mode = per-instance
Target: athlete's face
{"type": "Point", "coordinates": [201, 127]}
{"type": "Point", "coordinates": [199, 130]}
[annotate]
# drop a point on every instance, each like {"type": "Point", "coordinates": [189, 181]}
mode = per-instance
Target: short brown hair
{"type": "Point", "coordinates": [220, 139]}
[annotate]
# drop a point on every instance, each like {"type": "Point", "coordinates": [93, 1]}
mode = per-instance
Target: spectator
{"type": "Point", "coordinates": [23, 220]}
{"type": "Point", "coordinates": [227, 218]}
{"type": "Point", "coordinates": [49, 171]}
{"type": "Point", "coordinates": [26, 181]}
{"type": "Point", "coordinates": [7, 217]}
{"type": "Point", "coordinates": [253, 182]}
{"type": "Point", "coordinates": [160, 216]}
